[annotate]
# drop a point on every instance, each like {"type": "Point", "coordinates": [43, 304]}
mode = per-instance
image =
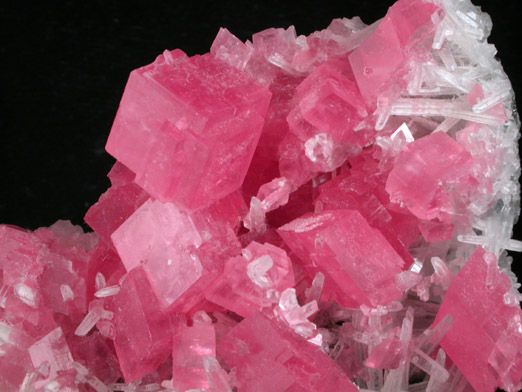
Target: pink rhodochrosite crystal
{"type": "Point", "coordinates": [142, 331]}
{"type": "Point", "coordinates": [358, 262]}
{"type": "Point", "coordinates": [52, 349]}
{"type": "Point", "coordinates": [191, 346]}
{"type": "Point", "coordinates": [483, 324]}
{"type": "Point", "coordinates": [268, 357]}
{"type": "Point", "coordinates": [329, 212]}
{"type": "Point", "coordinates": [379, 59]}
{"type": "Point", "coordinates": [253, 280]}
{"type": "Point", "coordinates": [425, 171]}
{"type": "Point", "coordinates": [188, 128]}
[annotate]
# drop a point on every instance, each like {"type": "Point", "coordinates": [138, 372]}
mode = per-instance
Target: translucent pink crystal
{"type": "Point", "coordinates": [329, 212]}
{"type": "Point", "coordinates": [115, 205]}
{"type": "Point", "coordinates": [357, 261]}
{"type": "Point", "coordinates": [386, 355]}
{"type": "Point", "coordinates": [427, 172]}
{"type": "Point", "coordinates": [376, 62]}
{"type": "Point", "coordinates": [265, 162]}
{"type": "Point", "coordinates": [330, 103]}
{"type": "Point", "coordinates": [191, 345]}
{"type": "Point", "coordinates": [267, 357]}
{"type": "Point", "coordinates": [254, 280]}
{"type": "Point", "coordinates": [14, 344]}
{"type": "Point", "coordinates": [218, 121]}
{"type": "Point", "coordinates": [362, 189]}
{"type": "Point", "coordinates": [171, 246]}
{"type": "Point", "coordinates": [19, 257]}
{"type": "Point", "coordinates": [481, 324]}
{"type": "Point", "coordinates": [143, 332]}
{"type": "Point", "coordinates": [53, 349]}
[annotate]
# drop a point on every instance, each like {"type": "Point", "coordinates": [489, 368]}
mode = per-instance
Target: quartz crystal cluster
{"type": "Point", "coordinates": [329, 212]}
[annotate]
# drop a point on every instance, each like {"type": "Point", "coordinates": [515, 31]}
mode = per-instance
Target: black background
{"type": "Point", "coordinates": [64, 68]}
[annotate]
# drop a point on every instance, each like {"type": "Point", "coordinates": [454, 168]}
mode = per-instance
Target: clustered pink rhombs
{"type": "Point", "coordinates": [329, 212]}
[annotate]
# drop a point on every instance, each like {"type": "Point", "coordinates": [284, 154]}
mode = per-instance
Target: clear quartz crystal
{"type": "Point", "coordinates": [319, 148]}
{"type": "Point", "coordinates": [435, 384]}
{"type": "Point", "coordinates": [428, 365]}
{"type": "Point", "coordinates": [26, 294]}
{"type": "Point", "coordinates": [217, 377]}
{"type": "Point", "coordinates": [67, 293]}
{"type": "Point", "coordinates": [99, 281]}
{"type": "Point", "coordinates": [430, 338]}
{"type": "Point", "coordinates": [257, 271]}
{"type": "Point", "coordinates": [314, 293]}
{"type": "Point", "coordinates": [439, 107]}
{"type": "Point", "coordinates": [5, 332]}
{"type": "Point", "coordinates": [53, 386]}
{"type": "Point", "coordinates": [296, 316]}
{"type": "Point", "coordinates": [95, 314]}
{"type": "Point", "coordinates": [107, 291]}
{"type": "Point", "coordinates": [28, 383]}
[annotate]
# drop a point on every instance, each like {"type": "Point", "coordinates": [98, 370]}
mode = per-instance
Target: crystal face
{"type": "Point", "coordinates": [329, 212]}
{"type": "Point", "coordinates": [188, 128]}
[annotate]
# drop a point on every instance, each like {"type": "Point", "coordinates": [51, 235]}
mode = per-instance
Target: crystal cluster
{"type": "Point", "coordinates": [329, 212]}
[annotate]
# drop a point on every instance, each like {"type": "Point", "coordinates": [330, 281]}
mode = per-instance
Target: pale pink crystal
{"type": "Point", "coordinates": [375, 63]}
{"type": "Point", "coordinates": [190, 347]}
{"type": "Point", "coordinates": [19, 257]}
{"type": "Point", "coordinates": [175, 249]}
{"type": "Point", "coordinates": [330, 102]}
{"type": "Point", "coordinates": [53, 349]}
{"type": "Point", "coordinates": [428, 173]}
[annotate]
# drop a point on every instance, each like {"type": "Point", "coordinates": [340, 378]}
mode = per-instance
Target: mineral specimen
{"type": "Point", "coordinates": [329, 212]}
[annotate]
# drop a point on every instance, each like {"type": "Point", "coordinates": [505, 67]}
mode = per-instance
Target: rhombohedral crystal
{"type": "Point", "coordinates": [329, 212]}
